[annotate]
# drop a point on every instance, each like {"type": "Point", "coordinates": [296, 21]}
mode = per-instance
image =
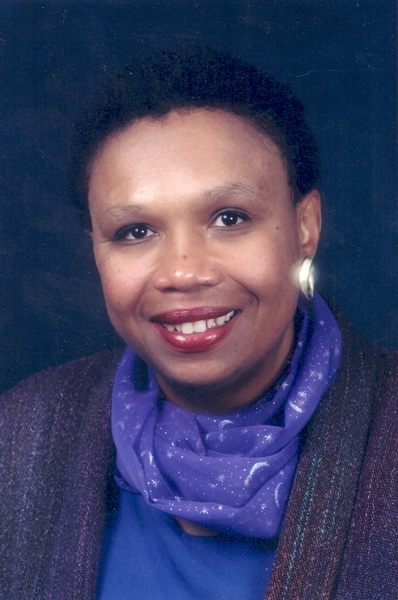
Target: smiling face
{"type": "Point", "coordinates": [197, 243]}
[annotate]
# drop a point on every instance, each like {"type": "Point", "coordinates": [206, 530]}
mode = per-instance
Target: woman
{"type": "Point", "coordinates": [244, 444]}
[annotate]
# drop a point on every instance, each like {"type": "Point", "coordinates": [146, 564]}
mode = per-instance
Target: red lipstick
{"type": "Point", "coordinates": [197, 341]}
{"type": "Point", "coordinates": [189, 315]}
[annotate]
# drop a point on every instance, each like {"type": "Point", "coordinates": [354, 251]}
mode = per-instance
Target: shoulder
{"type": "Point", "coordinates": [370, 376]}
{"type": "Point", "coordinates": [367, 378]}
{"type": "Point", "coordinates": [44, 417]}
{"type": "Point", "coordinates": [356, 350]}
{"type": "Point", "coordinates": [73, 381]}
{"type": "Point", "coordinates": [56, 458]}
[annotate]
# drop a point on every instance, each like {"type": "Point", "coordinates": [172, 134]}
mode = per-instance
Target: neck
{"type": "Point", "coordinates": [214, 400]}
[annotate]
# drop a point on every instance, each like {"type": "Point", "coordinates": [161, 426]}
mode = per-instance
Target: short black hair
{"type": "Point", "coordinates": [193, 77]}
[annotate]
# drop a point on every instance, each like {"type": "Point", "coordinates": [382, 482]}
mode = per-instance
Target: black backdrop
{"type": "Point", "coordinates": [340, 58]}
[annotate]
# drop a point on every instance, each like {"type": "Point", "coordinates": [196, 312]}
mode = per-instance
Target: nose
{"type": "Point", "coordinates": [185, 266]}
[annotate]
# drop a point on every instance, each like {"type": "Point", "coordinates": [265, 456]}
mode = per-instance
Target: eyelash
{"type": "Point", "coordinates": [140, 228]}
{"type": "Point", "coordinates": [230, 215]}
{"type": "Point", "coordinates": [229, 218]}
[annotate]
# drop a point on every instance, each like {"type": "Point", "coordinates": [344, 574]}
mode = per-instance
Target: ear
{"type": "Point", "coordinates": [309, 222]}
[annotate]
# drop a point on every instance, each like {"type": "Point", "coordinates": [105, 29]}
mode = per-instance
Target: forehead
{"type": "Point", "coordinates": [214, 126]}
{"type": "Point", "coordinates": [180, 161]}
{"type": "Point", "coordinates": [188, 149]}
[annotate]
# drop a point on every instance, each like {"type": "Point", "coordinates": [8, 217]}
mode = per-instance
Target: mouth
{"type": "Point", "coordinates": [195, 330]}
{"type": "Point", "coordinates": [200, 326]}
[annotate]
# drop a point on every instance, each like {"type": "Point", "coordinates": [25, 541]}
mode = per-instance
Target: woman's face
{"type": "Point", "coordinates": [198, 243]}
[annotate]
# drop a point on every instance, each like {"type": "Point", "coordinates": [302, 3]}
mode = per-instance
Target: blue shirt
{"type": "Point", "coordinates": [147, 555]}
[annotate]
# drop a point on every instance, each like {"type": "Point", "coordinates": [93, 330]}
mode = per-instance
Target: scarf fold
{"type": "Point", "coordinates": [231, 473]}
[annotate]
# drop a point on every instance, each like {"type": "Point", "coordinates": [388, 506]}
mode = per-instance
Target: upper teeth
{"type": "Point", "coordinates": [200, 326]}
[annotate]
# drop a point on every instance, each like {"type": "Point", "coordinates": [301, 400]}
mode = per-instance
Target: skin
{"type": "Point", "coordinates": [179, 175]}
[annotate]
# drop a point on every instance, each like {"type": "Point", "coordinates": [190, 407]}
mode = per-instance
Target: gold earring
{"type": "Point", "coordinates": [307, 284]}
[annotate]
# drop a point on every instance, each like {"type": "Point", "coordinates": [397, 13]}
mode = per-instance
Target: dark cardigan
{"type": "Point", "coordinates": [340, 533]}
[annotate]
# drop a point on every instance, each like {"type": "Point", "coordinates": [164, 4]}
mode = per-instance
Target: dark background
{"type": "Point", "coordinates": [340, 58]}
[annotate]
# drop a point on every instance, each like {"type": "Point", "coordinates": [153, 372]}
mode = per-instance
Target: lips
{"type": "Point", "coordinates": [195, 330]}
{"type": "Point", "coordinates": [190, 327]}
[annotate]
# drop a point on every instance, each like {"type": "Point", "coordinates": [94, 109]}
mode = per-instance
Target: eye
{"type": "Point", "coordinates": [131, 233]}
{"type": "Point", "coordinates": [229, 218]}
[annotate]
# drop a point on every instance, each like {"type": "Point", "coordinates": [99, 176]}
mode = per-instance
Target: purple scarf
{"type": "Point", "coordinates": [230, 473]}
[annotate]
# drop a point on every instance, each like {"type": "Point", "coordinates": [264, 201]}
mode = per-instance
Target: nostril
{"type": "Point", "coordinates": [186, 272]}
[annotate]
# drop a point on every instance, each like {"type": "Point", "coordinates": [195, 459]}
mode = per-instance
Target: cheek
{"type": "Point", "coordinates": [120, 283]}
{"type": "Point", "coordinates": [266, 269]}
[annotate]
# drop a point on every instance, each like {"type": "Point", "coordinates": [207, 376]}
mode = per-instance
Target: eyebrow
{"type": "Point", "coordinates": [124, 209]}
{"type": "Point", "coordinates": [234, 189]}
{"type": "Point", "coordinates": [214, 194]}
{"type": "Point", "coordinates": [221, 193]}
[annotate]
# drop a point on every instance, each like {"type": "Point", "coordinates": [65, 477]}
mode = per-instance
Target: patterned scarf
{"type": "Point", "coordinates": [230, 473]}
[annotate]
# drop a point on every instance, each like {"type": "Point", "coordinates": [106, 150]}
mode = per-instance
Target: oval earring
{"type": "Point", "coordinates": [307, 283]}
